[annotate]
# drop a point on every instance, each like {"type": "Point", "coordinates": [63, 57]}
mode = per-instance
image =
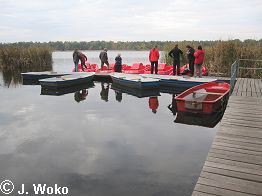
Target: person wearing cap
{"type": "Point", "coordinates": [104, 58]}
{"type": "Point", "coordinates": [153, 58]}
{"type": "Point", "coordinates": [191, 58]}
{"type": "Point", "coordinates": [175, 54]}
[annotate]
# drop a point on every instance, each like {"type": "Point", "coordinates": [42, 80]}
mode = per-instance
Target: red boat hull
{"type": "Point", "coordinates": [204, 98]}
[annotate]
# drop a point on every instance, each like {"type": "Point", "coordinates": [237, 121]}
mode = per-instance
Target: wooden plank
{"type": "Point", "coordinates": [233, 174]}
{"type": "Point", "coordinates": [234, 163]}
{"type": "Point", "coordinates": [231, 149]}
{"type": "Point", "coordinates": [244, 158]}
{"type": "Point", "coordinates": [233, 168]}
{"type": "Point", "coordinates": [238, 144]}
{"type": "Point", "coordinates": [226, 184]}
{"type": "Point", "coordinates": [213, 190]}
{"type": "Point", "coordinates": [240, 122]}
{"type": "Point", "coordinates": [196, 193]}
{"type": "Point", "coordinates": [249, 117]}
{"type": "Point", "coordinates": [246, 133]}
{"type": "Point", "coordinates": [242, 139]}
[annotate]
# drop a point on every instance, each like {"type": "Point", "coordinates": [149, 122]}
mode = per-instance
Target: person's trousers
{"type": "Point", "coordinates": [191, 66]}
{"type": "Point", "coordinates": [76, 66]}
{"type": "Point", "coordinates": [102, 63]}
{"type": "Point", "coordinates": [198, 70]}
{"type": "Point", "coordinates": [176, 67]}
{"type": "Point", "coordinates": [154, 66]}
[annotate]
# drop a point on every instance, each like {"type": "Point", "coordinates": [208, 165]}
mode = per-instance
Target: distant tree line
{"type": "Point", "coordinates": [129, 45]}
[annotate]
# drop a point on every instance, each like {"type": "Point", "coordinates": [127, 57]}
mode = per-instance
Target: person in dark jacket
{"type": "Point", "coordinates": [191, 58]}
{"type": "Point", "coordinates": [175, 54]}
{"type": "Point", "coordinates": [118, 63]}
{"type": "Point", "coordinates": [153, 58]}
{"type": "Point", "coordinates": [199, 59]}
{"type": "Point", "coordinates": [76, 59]}
{"type": "Point", "coordinates": [104, 58]}
{"type": "Point", "coordinates": [83, 60]}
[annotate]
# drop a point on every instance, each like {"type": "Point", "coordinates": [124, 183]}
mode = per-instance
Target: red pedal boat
{"type": "Point", "coordinates": [136, 68]}
{"type": "Point", "coordinates": [163, 69]}
{"type": "Point", "coordinates": [204, 98]}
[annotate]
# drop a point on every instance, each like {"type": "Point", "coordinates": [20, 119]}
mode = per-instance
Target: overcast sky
{"type": "Point", "coordinates": [129, 20]}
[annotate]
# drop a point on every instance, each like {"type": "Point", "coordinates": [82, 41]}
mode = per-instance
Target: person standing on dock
{"type": "Point", "coordinates": [153, 58]}
{"type": "Point", "coordinates": [83, 60]}
{"type": "Point", "coordinates": [175, 54]}
{"type": "Point", "coordinates": [199, 59]}
{"type": "Point", "coordinates": [104, 58]}
{"type": "Point", "coordinates": [76, 59]}
{"type": "Point", "coordinates": [191, 58]}
{"type": "Point", "coordinates": [118, 63]}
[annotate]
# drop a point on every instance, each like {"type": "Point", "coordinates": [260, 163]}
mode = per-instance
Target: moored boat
{"type": "Point", "coordinates": [42, 75]}
{"type": "Point", "coordinates": [134, 81]}
{"type": "Point", "coordinates": [179, 81]}
{"type": "Point", "coordinates": [204, 98]}
{"type": "Point", "coordinates": [76, 78]}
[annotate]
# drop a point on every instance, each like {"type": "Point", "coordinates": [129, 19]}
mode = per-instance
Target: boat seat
{"type": "Point", "coordinates": [207, 93]}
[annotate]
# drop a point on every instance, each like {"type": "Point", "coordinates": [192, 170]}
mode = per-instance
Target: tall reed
{"type": "Point", "coordinates": [19, 58]}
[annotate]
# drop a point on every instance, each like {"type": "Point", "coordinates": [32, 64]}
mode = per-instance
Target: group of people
{"type": "Point", "coordinates": [78, 55]}
{"type": "Point", "coordinates": [195, 59]}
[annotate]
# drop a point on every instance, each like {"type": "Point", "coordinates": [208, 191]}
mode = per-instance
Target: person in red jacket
{"type": "Point", "coordinates": [153, 104]}
{"type": "Point", "coordinates": [83, 60]}
{"type": "Point", "coordinates": [153, 58]}
{"type": "Point", "coordinates": [199, 58]}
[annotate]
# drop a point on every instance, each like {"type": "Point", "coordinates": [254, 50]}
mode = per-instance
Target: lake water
{"type": "Point", "coordinates": [104, 144]}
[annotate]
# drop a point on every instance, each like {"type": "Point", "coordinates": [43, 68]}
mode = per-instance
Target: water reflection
{"type": "Point", "coordinates": [13, 77]}
{"type": "Point", "coordinates": [104, 91]}
{"type": "Point", "coordinates": [73, 89]}
{"type": "Point", "coordinates": [153, 104]}
{"type": "Point", "coordinates": [118, 95]}
{"type": "Point", "coordinates": [173, 106]}
{"type": "Point", "coordinates": [204, 120]}
{"type": "Point", "coordinates": [81, 95]}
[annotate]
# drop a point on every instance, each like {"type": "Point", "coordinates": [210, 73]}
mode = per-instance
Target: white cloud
{"type": "Point", "coordinates": [51, 20]}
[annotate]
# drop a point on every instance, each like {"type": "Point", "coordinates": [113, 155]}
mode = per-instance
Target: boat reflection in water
{"type": "Point", "coordinates": [135, 92]}
{"type": "Point", "coordinates": [204, 120]}
{"type": "Point", "coordinates": [79, 89]}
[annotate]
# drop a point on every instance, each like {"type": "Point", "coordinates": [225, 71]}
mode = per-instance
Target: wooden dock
{"type": "Point", "coordinates": [234, 164]}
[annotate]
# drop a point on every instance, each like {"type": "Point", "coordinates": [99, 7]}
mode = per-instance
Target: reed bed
{"type": "Point", "coordinates": [19, 58]}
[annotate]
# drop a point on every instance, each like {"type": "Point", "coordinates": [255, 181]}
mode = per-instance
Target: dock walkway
{"type": "Point", "coordinates": [234, 164]}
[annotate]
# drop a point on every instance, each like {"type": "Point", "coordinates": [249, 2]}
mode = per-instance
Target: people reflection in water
{"type": "Point", "coordinates": [104, 92]}
{"type": "Point", "coordinates": [81, 95]}
{"type": "Point", "coordinates": [118, 95]}
{"type": "Point", "coordinates": [153, 104]}
{"type": "Point", "coordinates": [173, 107]}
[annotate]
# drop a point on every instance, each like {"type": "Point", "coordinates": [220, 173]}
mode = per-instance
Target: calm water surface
{"type": "Point", "coordinates": [106, 146]}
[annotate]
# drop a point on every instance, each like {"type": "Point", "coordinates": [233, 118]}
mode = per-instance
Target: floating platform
{"type": "Point", "coordinates": [179, 81]}
{"type": "Point", "coordinates": [76, 78]}
{"type": "Point", "coordinates": [135, 81]}
{"type": "Point", "coordinates": [42, 75]}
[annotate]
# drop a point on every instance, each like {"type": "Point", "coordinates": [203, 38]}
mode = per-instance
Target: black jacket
{"type": "Point", "coordinates": [175, 53]}
{"type": "Point", "coordinates": [190, 54]}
